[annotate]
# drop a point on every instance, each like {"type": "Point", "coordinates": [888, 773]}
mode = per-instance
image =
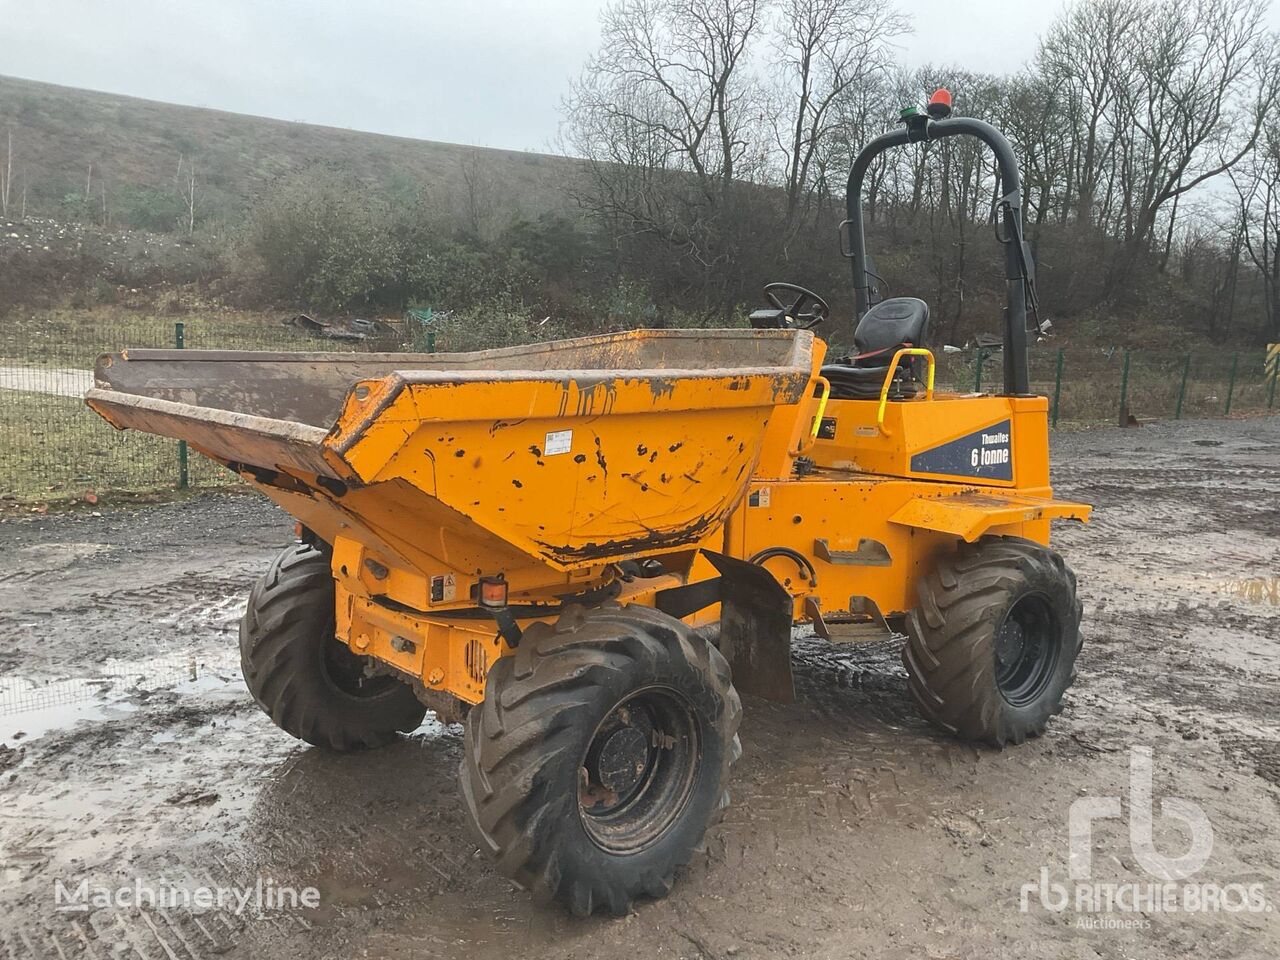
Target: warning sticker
{"type": "Point", "coordinates": [558, 441]}
{"type": "Point", "coordinates": [760, 498]}
{"type": "Point", "coordinates": [444, 588]}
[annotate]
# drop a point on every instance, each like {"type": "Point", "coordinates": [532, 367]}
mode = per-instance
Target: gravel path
{"type": "Point", "coordinates": [56, 381]}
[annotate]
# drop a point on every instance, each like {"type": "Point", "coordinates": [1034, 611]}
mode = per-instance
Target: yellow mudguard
{"type": "Point", "coordinates": [972, 515]}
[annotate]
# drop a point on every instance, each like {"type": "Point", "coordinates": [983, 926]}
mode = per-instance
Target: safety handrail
{"type": "Point", "coordinates": [888, 380]}
{"type": "Point", "coordinates": [822, 406]}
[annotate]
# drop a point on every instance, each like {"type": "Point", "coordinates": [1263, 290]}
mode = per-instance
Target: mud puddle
{"type": "Point", "coordinates": [31, 708]}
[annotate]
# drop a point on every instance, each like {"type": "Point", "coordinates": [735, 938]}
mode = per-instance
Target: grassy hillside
{"type": "Point", "coordinates": [65, 139]}
{"type": "Point", "coordinates": [296, 216]}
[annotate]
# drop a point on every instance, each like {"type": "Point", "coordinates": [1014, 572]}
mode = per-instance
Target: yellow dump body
{"type": "Point", "coordinates": [546, 462]}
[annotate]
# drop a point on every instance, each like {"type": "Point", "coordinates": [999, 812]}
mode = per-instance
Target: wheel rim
{"type": "Point", "coordinates": [638, 771]}
{"type": "Point", "coordinates": [346, 672]}
{"type": "Point", "coordinates": [1027, 648]}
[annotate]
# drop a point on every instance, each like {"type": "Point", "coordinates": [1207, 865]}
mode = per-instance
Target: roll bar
{"type": "Point", "coordinates": [1019, 268]}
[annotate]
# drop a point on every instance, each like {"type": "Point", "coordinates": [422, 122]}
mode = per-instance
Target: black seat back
{"type": "Point", "coordinates": [885, 327]}
{"type": "Point", "coordinates": [891, 323]}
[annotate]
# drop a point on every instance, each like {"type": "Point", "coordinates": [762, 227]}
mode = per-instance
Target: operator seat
{"type": "Point", "coordinates": [885, 328]}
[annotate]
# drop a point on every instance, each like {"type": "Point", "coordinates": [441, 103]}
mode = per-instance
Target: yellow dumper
{"type": "Point", "coordinates": [584, 549]}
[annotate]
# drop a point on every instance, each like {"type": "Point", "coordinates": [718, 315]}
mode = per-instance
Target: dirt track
{"type": "Point", "coordinates": [855, 830]}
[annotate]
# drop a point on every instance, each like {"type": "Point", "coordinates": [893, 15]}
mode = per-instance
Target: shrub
{"type": "Point", "coordinates": [498, 322]}
{"type": "Point", "coordinates": [144, 208]}
{"type": "Point", "coordinates": [325, 240]}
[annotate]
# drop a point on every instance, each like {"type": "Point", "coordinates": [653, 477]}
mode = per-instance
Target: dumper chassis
{"type": "Point", "coordinates": [586, 550]}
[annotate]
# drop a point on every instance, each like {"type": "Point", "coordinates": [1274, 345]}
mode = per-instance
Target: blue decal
{"type": "Point", "coordinates": [985, 454]}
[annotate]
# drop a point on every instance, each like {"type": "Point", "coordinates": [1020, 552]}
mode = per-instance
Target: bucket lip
{"type": "Point", "coordinates": [587, 375]}
{"type": "Point", "coordinates": [802, 341]}
{"type": "Point", "coordinates": [291, 444]}
{"type": "Point", "coordinates": [797, 360]}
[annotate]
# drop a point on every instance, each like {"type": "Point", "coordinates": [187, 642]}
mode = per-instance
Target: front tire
{"type": "Point", "coordinates": [600, 755]}
{"type": "Point", "coordinates": [993, 639]}
{"type": "Point", "coordinates": [307, 681]}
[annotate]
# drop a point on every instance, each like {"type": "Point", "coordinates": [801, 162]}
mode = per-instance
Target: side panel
{"type": "Point", "coordinates": [572, 473]}
{"type": "Point", "coordinates": [862, 553]}
{"type": "Point", "coordinates": [995, 441]}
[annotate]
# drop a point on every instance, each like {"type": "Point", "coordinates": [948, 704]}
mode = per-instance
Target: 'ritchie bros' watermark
{"type": "Point", "coordinates": [1169, 891]}
{"type": "Point", "coordinates": [265, 896]}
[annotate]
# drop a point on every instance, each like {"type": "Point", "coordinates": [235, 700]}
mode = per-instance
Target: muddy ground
{"type": "Point", "coordinates": [132, 751]}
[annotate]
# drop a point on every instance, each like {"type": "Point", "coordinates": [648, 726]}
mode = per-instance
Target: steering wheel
{"type": "Point", "coordinates": [819, 312]}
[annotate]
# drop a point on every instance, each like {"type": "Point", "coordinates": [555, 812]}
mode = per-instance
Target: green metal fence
{"type": "Point", "coordinates": [53, 448]}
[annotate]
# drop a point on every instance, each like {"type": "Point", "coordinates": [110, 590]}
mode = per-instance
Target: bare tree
{"type": "Point", "coordinates": [681, 61]}
{"type": "Point", "coordinates": [662, 114]}
{"type": "Point", "coordinates": [1123, 122]}
{"type": "Point", "coordinates": [1257, 186]}
{"type": "Point", "coordinates": [479, 195]}
{"type": "Point", "coordinates": [859, 115]}
{"type": "Point", "coordinates": [1206, 72]}
{"type": "Point", "coordinates": [827, 49]}
{"type": "Point", "coordinates": [191, 197]}
{"type": "Point", "coordinates": [6, 179]}
{"type": "Point", "coordinates": [1083, 58]}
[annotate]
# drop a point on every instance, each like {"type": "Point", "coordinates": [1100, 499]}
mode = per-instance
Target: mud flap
{"type": "Point", "coordinates": [755, 628]}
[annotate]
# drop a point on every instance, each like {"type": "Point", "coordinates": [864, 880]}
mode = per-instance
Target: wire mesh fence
{"type": "Point", "coordinates": [53, 447]}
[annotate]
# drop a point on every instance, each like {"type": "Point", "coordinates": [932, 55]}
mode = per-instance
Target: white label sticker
{"type": "Point", "coordinates": [558, 441]}
{"type": "Point", "coordinates": [444, 588]}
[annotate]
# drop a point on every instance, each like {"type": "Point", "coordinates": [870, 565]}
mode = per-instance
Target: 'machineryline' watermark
{"type": "Point", "coordinates": [1169, 893]}
{"type": "Point", "coordinates": [263, 897]}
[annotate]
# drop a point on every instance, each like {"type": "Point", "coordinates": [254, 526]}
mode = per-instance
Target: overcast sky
{"type": "Point", "coordinates": [485, 72]}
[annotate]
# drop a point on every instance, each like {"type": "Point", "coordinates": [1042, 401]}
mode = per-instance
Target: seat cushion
{"type": "Point", "coordinates": [850, 382]}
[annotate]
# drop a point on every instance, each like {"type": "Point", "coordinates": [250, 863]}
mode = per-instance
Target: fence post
{"type": "Point", "coordinates": [180, 341]}
{"type": "Point", "coordinates": [1231, 386]}
{"type": "Point", "coordinates": [977, 371]}
{"type": "Point", "coordinates": [1057, 389]}
{"type": "Point", "coordinates": [1182, 390]}
{"type": "Point", "coordinates": [1124, 390]}
{"type": "Point", "coordinates": [1275, 375]}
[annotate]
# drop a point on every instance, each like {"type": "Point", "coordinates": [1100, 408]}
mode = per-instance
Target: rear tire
{"type": "Point", "coordinates": [307, 681]}
{"type": "Point", "coordinates": [600, 755]}
{"type": "Point", "coordinates": [993, 639]}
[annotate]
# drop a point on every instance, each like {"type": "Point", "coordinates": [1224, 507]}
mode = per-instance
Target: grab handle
{"type": "Point", "coordinates": [888, 380]}
{"type": "Point", "coordinates": [822, 406]}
